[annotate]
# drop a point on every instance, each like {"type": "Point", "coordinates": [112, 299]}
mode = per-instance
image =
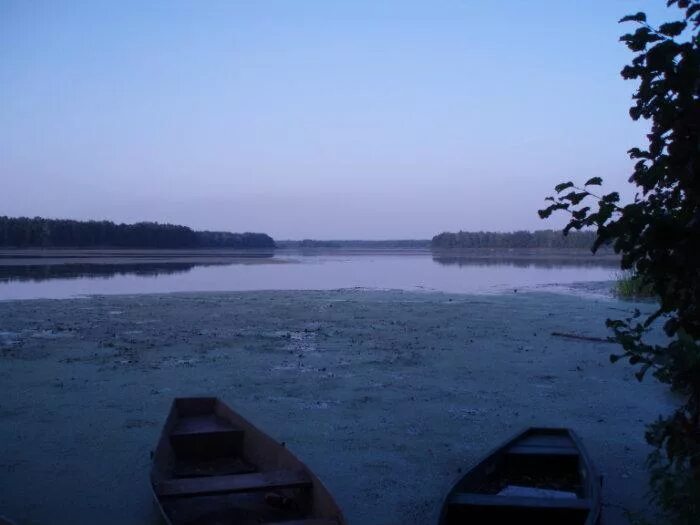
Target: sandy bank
{"type": "Point", "coordinates": [386, 395]}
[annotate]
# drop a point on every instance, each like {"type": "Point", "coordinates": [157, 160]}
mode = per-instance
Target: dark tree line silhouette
{"type": "Point", "coordinates": [518, 239]}
{"type": "Point", "coordinates": [37, 232]}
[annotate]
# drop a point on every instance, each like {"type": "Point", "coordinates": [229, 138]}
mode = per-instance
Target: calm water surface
{"type": "Point", "coordinates": [297, 271]}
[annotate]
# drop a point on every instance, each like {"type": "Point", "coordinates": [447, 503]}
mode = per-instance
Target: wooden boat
{"type": "Point", "coordinates": [541, 476]}
{"type": "Point", "coordinates": [212, 467]}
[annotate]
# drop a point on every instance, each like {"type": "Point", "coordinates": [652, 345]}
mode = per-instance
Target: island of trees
{"type": "Point", "coordinates": [517, 239]}
{"type": "Point", "coordinates": [37, 232]}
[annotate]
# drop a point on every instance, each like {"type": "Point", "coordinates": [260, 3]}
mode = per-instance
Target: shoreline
{"type": "Point", "coordinates": [590, 290]}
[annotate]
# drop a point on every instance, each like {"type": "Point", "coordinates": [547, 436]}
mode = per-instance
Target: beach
{"type": "Point", "coordinates": [387, 395]}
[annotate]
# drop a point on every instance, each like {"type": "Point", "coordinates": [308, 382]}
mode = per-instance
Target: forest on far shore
{"type": "Point", "coordinates": [37, 232]}
{"type": "Point", "coordinates": [517, 239]}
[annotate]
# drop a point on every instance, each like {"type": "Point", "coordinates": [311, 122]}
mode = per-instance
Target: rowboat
{"type": "Point", "coordinates": [212, 467]}
{"type": "Point", "coordinates": [541, 476]}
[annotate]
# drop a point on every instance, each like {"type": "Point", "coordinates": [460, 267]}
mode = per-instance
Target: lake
{"type": "Point", "coordinates": [384, 394]}
{"type": "Point", "coordinates": [63, 273]}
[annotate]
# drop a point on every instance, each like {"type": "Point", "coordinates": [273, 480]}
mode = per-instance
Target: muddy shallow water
{"type": "Point", "coordinates": [388, 396]}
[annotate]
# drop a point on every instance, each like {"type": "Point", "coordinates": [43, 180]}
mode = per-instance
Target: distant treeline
{"type": "Point", "coordinates": [310, 243]}
{"type": "Point", "coordinates": [518, 239]}
{"type": "Point", "coordinates": [24, 232]}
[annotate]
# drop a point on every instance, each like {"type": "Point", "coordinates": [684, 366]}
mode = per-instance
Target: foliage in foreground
{"type": "Point", "coordinates": [658, 236]}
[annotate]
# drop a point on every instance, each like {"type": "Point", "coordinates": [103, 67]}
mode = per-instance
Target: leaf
{"type": "Point", "coordinates": [640, 374]}
{"type": "Point", "coordinates": [638, 40]}
{"type": "Point", "coordinates": [662, 56]}
{"type": "Point", "coordinates": [581, 214]}
{"type": "Point", "coordinates": [614, 323]}
{"type": "Point", "coordinates": [629, 72]}
{"type": "Point", "coordinates": [611, 197]}
{"type": "Point", "coordinates": [552, 207]}
{"type": "Point", "coordinates": [636, 153]}
{"type": "Point", "coordinates": [672, 28]}
{"type": "Point", "coordinates": [635, 112]}
{"type": "Point", "coordinates": [575, 197]}
{"type": "Point", "coordinates": [638, 17]}
{"type": "Point", "coordinates": [564, 185]}
{"type": "Point", "coordinates": [594, 181]}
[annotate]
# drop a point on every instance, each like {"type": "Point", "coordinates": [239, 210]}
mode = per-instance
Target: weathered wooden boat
{"type": "Point", "coordinates": [212, 467]}
{"type": "Point", "coordinates": [541, 476]}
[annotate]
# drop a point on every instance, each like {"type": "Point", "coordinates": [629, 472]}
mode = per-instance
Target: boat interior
{"type": "Point", "coordinates": [213, 471]}
{"type": "Point", "coordinates": [540, 477]}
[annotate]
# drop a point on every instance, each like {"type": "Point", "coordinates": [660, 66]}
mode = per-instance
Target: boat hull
{"type": "Point", "coordinates": [212, 466]}
{"type": "Point", "coordinates": [541, 475]}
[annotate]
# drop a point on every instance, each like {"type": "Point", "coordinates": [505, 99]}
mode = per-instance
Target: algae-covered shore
{"type": "Point", "coordinates": [386, 395]}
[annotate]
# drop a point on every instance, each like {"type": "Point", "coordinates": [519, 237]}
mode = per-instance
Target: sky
{"type": "Point", "coordinates": [357, 119]}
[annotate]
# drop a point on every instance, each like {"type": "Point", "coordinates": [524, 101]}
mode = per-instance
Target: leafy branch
{"type": "Point", "coordinates": [658, 237]}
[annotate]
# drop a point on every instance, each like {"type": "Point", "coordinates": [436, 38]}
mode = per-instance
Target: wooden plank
{"type": "Point", "coordinates": [222, 466]}
{"type": "Point", "coordinates": [536, 492]}
{"type": "Point", "coordinates": [308, 521]}
{"type": "Point", "coordinates": [546, 440]}
{"type": "Point", "coordinates": [490, 500]}
{"type": "Point", "coordinates": [207, 424]}
{"type": "Point", "coordinates": [234, 483]}
{"type": "Point", "coordinates": [525, 450]}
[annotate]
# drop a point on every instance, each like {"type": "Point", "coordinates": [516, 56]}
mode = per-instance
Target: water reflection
{"type": "Point", "coordinates": [525, 262]}
{"type": "Point", "coordinates": [401, 270]}
{"type": "Point", "coordinates": [71, 270]}
{"type": "Point", "coordinates": [45, 272]}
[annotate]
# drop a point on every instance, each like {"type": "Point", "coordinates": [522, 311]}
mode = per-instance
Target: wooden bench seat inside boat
{"type": "Point", "coordinates": [493, 500]}
{"type": "Point", "coordinates": [237, 483]}
{"type": "Point", "coordinates": [220, 466]}
{"type": "Point", "coordinates": [487, 509]}
{"type": "Point", "coordinates": [205, 436]}
{"type": "Point", "coordinates": [309, 521]}
{"type": "Point", "coordinates": [204, 424]}
{"type": "Point", "coordinates": [545, 445]}
{"type": "Point", "coordinates": [542, 451]}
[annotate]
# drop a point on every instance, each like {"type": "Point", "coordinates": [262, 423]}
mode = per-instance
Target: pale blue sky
{"type": "Point", "coordinates": [322, 119]}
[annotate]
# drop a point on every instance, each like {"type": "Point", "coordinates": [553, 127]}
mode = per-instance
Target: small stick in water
{"type": "Point", "coordinates": [582, 337]}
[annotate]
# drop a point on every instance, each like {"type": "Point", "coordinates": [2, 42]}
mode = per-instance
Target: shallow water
{"type": "Point", "coordinates": [386, 396]}
{"type": "Point", "coordinates": [410, 271]}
